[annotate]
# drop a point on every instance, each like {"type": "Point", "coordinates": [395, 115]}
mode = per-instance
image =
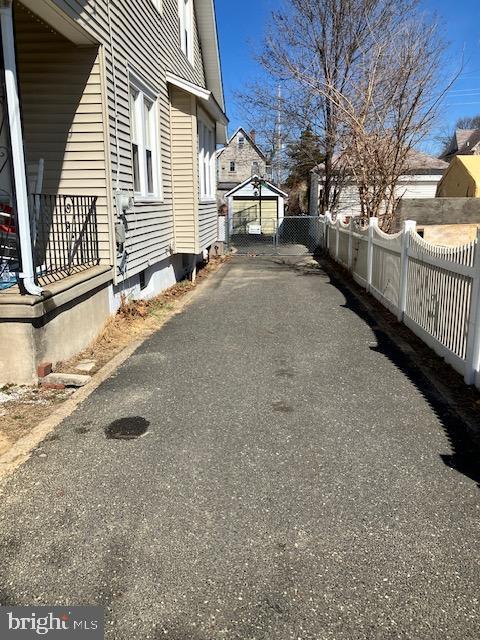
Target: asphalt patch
{"type": "Point", "coordinates": [127, 428]}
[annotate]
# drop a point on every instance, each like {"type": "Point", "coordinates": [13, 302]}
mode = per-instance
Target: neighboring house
{"type": "Point", "coordinates": [461, 179]}
{"type": "Point", "coordinates": [464, 142]}
{"type": "Point", "coordinates": [121, 110]}
{"type": "Point", "coordinates": [255, 210]}
{"type": "Point", "coordinates": [239, 160]}
{"type": "Point", "coordinates": [419, 181]}
{"type": "Point", "coordinates": [441, 221]}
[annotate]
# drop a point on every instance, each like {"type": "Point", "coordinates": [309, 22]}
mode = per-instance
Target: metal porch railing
{"type": "Point", "coordinates": [64, 235]}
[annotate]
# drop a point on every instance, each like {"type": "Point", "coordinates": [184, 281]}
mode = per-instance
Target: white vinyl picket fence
{"type": "Point", "coordinates": [434, 290]}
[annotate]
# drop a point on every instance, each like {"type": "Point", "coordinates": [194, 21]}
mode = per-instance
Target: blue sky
{"type": "Point", "coordinates": [242, 24]}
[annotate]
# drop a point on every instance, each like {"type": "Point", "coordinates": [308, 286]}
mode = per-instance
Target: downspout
{"type": "Point", "coordinates": [115, 95]}
{"type": "Point", "coordinates": [18, 156]}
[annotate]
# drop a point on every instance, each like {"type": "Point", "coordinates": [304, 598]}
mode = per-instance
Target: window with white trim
{"type": "Point", "coordinates": [232, 166]}
{"type": "Point", "coordinates": [145, 142]}
{"type": "Point", "coordinates": [206, 158]}
{"type": "Point", "coordinates": [185, 13]}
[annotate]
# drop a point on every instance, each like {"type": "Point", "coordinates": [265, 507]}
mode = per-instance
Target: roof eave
{"type": "Point", "coordinates": [207, 29]}
{"type": "Point", "coordinates": [208, 102]}
{"type": "Point", "coordinates": [248, 180]}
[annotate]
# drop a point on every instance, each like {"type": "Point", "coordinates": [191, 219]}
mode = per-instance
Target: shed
{"type": "Point", "coordinates": [461, 179]}
{"type": "Point", "coordinates": [252, 210]}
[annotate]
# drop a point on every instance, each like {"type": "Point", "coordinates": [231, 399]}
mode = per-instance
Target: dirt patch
{"type": "Point", "coordinates": [22, 408]}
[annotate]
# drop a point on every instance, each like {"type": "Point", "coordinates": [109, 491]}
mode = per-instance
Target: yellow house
{"type": "Point", "coordinates": [461, 179]}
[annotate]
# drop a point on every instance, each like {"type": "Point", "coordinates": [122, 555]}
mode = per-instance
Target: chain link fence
{"type": "Point", "coordinates": [287, 236]}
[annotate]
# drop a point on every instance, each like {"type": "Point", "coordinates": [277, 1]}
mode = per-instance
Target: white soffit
{"type": "Point", "coordinates": [208, 103]}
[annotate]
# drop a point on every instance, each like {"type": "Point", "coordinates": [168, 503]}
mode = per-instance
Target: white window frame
{"type": "Point", "coordinates": [206, 160]}
{"type": "Point", "coordinates": [241, 141]}
{"type": "Point", "coordinates": [230, 170]}
{"type": "Point", "coordinates": [137, 114]}
{"type": "Point", "coordinates": [185, 15]}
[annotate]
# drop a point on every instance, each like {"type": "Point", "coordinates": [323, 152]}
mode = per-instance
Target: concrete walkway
{"type": "Point", "coordinates": [287, 482]}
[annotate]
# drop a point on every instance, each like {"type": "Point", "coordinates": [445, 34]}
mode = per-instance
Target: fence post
{"type": "Point", "coordinates": [472, 362]}
{"type": "Point", "coordinates": [409, 225]}
{"type": "Point", "coordinates": [373, 222]}
{"type": "Point", "coordinates": [328, 223]}
{"type": "Point", "coordinates": [350, 244]}
{"type": "Point", "coordinates": [337, 237]}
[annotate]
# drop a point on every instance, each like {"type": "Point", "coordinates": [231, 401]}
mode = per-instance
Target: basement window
{"type": "Point", "coordinates": [142, 280]}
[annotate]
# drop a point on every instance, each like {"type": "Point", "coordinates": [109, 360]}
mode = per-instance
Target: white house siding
{"type": "Point", "coordinates": [409, 187]}
{"type": "Point", "coordinates": [63, 117]}
{"type": "Point", "coordinates": [207, 225]}
{"type": "Point", "coordinates": [418, 186]}
{"type": "Point", "coordinates": [146, 42]}
{"type": "Point", "coordinates": [349, 201]}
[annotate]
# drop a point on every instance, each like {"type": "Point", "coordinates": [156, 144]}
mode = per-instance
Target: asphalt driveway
{"type": "Point", "coordinates": [265, 467]}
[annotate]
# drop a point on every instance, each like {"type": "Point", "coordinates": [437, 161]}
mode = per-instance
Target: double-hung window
{"type": "Point", "coordinates": [145, 142]}
{"type": "Point", "coordinates": [185, 12]}
{"type": "Point", "coordinates": [206, 148]}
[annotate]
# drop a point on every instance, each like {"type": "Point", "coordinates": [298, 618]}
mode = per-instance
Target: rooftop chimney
{"type": "Point", "coordinates": [252, 135]}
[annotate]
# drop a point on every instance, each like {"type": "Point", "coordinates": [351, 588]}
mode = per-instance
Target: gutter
{"type": "Point", "coordinates": [18, 156]}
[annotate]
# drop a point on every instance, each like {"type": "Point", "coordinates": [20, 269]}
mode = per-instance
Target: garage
{"type": "Point", "coordinates": [255, 207]}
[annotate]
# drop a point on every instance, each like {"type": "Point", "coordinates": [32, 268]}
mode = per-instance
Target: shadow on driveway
{"type": "Point", "coordinates": [466, 452]}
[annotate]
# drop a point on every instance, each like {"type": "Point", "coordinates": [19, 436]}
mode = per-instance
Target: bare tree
{"type": "Point", "coordinates": [388, 108]}
{"type": "Point", "coordinates": [364, 75]}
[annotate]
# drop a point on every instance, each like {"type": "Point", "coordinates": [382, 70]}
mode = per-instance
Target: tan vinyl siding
{"type": "Point", "coordinates": [62, 114]}
{"type": "Point", "coordinates": [146, 43]}
{"type": "Point", "coordinates": [184, 170]}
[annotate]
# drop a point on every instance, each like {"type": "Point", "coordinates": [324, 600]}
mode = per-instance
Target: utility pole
{"type": "Point", "coordinates": [277, 144]}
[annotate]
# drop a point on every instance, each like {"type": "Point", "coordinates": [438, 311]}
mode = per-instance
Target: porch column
{"type": "Point", "coordinates": [18, 156]}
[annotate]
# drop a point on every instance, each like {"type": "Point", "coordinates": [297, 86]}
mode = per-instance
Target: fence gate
{"type": "Point", "coordinates": [287, 236]}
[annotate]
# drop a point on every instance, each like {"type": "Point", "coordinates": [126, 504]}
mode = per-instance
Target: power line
{"type": "Point", "coordinates": [458, 104]}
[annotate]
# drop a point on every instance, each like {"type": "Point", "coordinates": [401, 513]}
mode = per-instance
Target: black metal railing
{"type": "Point", "coordinates": [64, 234]}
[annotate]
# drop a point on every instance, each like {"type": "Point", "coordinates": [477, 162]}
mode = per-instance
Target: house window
{"type": "Point", "coordinates": [241, 141]}
{"type": "Point", "coordinates": [145, 142]}
{"type": "Point", "coordinates": [206, 156]}
{"type": "Point", "coordinates": [232, 167]}
{"type": "Point", "coordinates": [185, 12]}
{"type": "Point", "coordinates": [255, 168]}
